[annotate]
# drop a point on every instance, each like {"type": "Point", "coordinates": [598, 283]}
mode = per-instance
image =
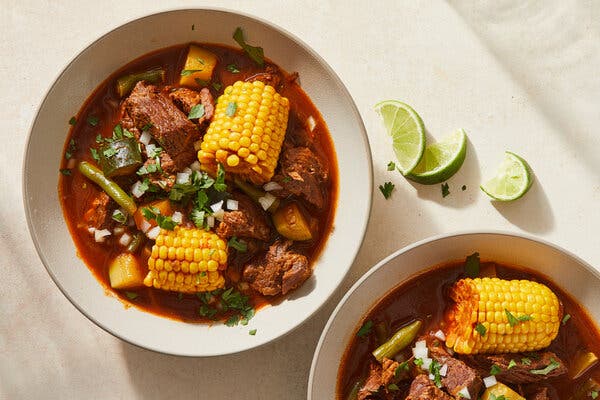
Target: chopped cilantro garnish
{"type": "Point", "coordinates": [494, 397]}
{"type": "Point", "coordinates": [391, 166]}
{"type": "Point", "coordinates": [217, 86]}
{"type": "Point", "coordinates": [386, 189]}
{"type": "Point", "coordinates": [196, 112]}
{"type": "Point", "coordinates": [119, 216]}
{"type": "Point", "coordinates": [148, 169]}
{"type": "Point", "coordinates": [147, 126]}
{"type": "Point", "coordinates": [445, 189]}
{"type": "Point", "coordinates": [392, 387]}
{"type": "Point", "coordinates": [207, 311]}
{"type": "Point", "coordinates": [233, 69]}
{"type": "Point", "coordinates": [512, 364]}
{"type": "Point", "coordinates": [418, 362]}
{"type": "Point", "coordinates": [525, 361]}
{"type": "Point", "coordinates": [472, 265]}
{"type": "Point", "coordinates": [594, 394]}
{"type": "Point", "coordinates": [566, 318]}
{"type": "Point", "coordinates": [512, 320]}
{"type": "Point", "coordinates": [365, 330]}
{"type": "Point", "coordinates": [238, 245]}
{"type": "Point", "coordinates": [71, 149]}
{"type": "Point", "coordinates": [109, 152]}
{"type": "Point", "coordinates": [202, 82]}
{"type": "Point", "coordinates": [252, 332]}
{"type": "Point", "coordinates": [165, 222]}
{"type": "Point", "coordinates": [495, 370]}
{"type": "Point", "coordinates": [549, 368]}
{"type": "Point", "coordinates": [131, 295]}
{"type": "Point", "coordinates": [231, 109]}
{"type": "Point", "coordinates": [481, 329]}
{"type": "Point", "coordinates": [94, 154]}
{"type": "Point", "coordinates": [286, 179]}
{"type": "Point", "coordinates": [219, 184]}
{"type": "Point", "coordinates": [153, 152]}
{"type": "Point", "coordinates": [402, 367]}
{"type": "Point", "coordinates": [186, 72]}
{"type": "Point", "coordinates": [434, 369]}
{"type": "Point", "coordinates": [255, 53]}
{"type": "Point", "coordinates": [72, 121]}
{"type": "Point", "coordinates": [92, 120]}
{"type": "Point", "coordinates": [65, 171]}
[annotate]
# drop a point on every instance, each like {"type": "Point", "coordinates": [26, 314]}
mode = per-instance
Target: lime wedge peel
{"type": "Point", "coordinates": [513, 179]}
{"type": "Point", "coordinates": [407, 130]}
{"type": "Point", "coordinates": [441, 160]}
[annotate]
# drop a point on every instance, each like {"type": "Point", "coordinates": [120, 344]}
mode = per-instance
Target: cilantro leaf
{"type": "Point", "coordinates": [525, 361]}
{"type": "Point", "coordinates": [255, 53]}
{"type": "Point", "coordinates": [565, 319]}
{"type": "Point", "coordinates": [219, 184]}
{"type": "Point", "coordinates": [71, 149]}
{"type": "Point", "coordinates": [233, 69]}
{"type": "Point", "coordinates": [512, 364]}
{"type": "Point", "coordinates": [391, 166]}
{"type": "Point", "coordinates": [386, 189]}
{"type": "Point", "coordinates": [512, 320]}
{"type": "Point", "coordinates": [95, 155]}
{"type": "Point", "coordinates": [238, 245]}
{"type": "Point", "coordinates": [93, 120]}
{"type": "Point", "coordinates": [65, 171]}
{"type": "Point", "coordinates": [119, 216]}
{"type": "Point", "coordinates": [365, 330]}
{"type": "Point", "coordinates": [495, 370]}
{"type": "Point", "coordinates": [186, 72]}
{"type": "Point", "coordinates": [72, 121]}
{"type": "Point", "coordinates": [392, 387]}
{"type": "Point", "coordinates": [549, 368]}
{"type": "Point", "coordinates": [481, 329]}
{"type": "Point", "coordinates": [196, 112]}
{"type": "Point", "coordinates": [217, 86]}
{"type": "Point", "coordinates": [252, 332]}
{"type": "Point", "coordinates": [132, 295]}
{"type": "Point", "coordinates": [472, 265]}
{"type": "Point", "coordinates": [231, 109]}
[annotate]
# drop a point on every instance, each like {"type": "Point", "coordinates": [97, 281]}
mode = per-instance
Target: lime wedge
{"type": "Point", "coordinates": [406, 128]}
{"type": "Point", "coordinates": [441, 160]}
{"type": "Point", "coordinates": [513, 179]}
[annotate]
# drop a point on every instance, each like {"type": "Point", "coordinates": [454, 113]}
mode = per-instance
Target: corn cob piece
{"type": "Point", "coordinates": [187, 260]}
{"type": "Point", "coordinates": [492, 315]}
{"type": "Point", "coordinates": [247, 131]}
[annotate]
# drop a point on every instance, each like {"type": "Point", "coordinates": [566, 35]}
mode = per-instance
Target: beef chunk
{"type": "Point", "coordinates": [171, 128]}
{"type": "Point", "coordinates": [521, 371]}
{"type": "Point", "coordinates": [303, 174]}
{"type": "Point", "coordinates": [272, 76]}
{"type": "Point", "coordinates": [422, 388]}
{"type": "Point", "coordinates": [380, 375]}
{"type": "Point", "coordinates": [248, 221]}
{"type": "Point", "coordinates": [166, 178]}
{"type": "Point", "coordinates": [186, 99]}
{"type": "Point", "coordinates": [99, 212]}
{"type": "Point", "coordinates": [459, 374]}
{"type": "Point", "coordinates": [279, 271]}
{"type": "Point", "coordinates": [538, 394]}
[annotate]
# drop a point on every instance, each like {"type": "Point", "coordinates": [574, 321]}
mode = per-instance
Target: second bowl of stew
{"type": "Point", "coordinates": [474, 315]}
{"type": "Point", "coordinates": [194, 181]}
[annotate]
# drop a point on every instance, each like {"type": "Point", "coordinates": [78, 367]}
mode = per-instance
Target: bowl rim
{"type": "Point", "coordinates": [407, 248]}
{"type": "Point", "coordinates": [338, 81]}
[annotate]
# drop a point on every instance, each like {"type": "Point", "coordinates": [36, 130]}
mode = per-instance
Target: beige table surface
{"type": "Point", "coordinates": [518, 75]}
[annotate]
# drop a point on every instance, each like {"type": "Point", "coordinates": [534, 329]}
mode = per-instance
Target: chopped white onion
{"type": "Point", "coordinates": [266, 201]}
{"type": "Point", "coordinates": [420, 350]}
{"type": "Point", "coordinates": [145, 225]}
{"type": "Point", "coordinates": [187, 170]}
{"type": "Point", "coordinates": [153, 233]}
{"type": "Point", "coordinates": [219, 214]}
{"type": "Point", "coordinates": [210, 221]}
{"type": "Point", "coordinates": [440, 335]}
{"type": "Point", "coordinates": [464, 392]}
{"type": "Point", "coordinates": [145, 138]}
{"type": "Point", "coordinates": [136, 189]}
{"type": "Point", "coordinates": [182, 178]}
{"type": "Point", "coordinates": [72, 163]}
{"type": "Point", "coordinates": [426, 363]}
{"type": "Point", "coordinates": [177, 217]}
{"type": "Point", "coordinates": [125, 239]}
{"type": "Point", "coordinates": [217, 206]}
{"type": "Point", "coordinates": [100, 234]}
{"type": "Point", "coordinates": [118, 230]}
{"type": "Point", "coordinates": [269, 186]}
{"type": "Point", "coordinates": [431, 377]}
{"type": "Point", "coordinates": [310, 121]}
{"type": "Point", "coordinates": [91, 230]}
{"type": "Point", "coordinates": [489, 381]}
{"type": "Point", "coordinates": [444, 370]}
{"type": "Point", "coordinates": [232, 204]}
{"type": "Point", "coordinates": [195, 166]}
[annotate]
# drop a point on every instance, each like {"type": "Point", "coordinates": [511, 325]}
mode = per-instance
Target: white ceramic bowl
{"type": "Point", "coordinates": [44, 150]}
{"type": "Point", "coordinates": [565, 269]}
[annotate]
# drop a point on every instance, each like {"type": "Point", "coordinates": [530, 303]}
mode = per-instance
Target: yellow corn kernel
{"type": "Point", "coordinates": [185, 261]}
{"type": "Point", "coordinates": [492, 315]}
{"type": "Point", "coordinates": [247, 131]}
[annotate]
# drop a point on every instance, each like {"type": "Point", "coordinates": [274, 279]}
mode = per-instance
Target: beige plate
{"type": "Point", "coordinates": [95, 63]}
{"type": "Point", "coordinates": [569, 272]}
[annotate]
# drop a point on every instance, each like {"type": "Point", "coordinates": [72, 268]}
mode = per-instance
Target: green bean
{"type": "Point", "coordinates": [255, 193]}
{"type": "Point", "coordinates": [137, 241]}
{"type": "Point", "coordinates": [110, 187]}
{"type": "Point", "coordinates": [399, 341]}
{"type": "Point", "coordinates": [126, 83]}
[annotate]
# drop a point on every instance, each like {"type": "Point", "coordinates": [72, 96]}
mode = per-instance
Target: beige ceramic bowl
{"type": "Point", "coordinates": [569, 272]}
{"type": "Point", "coordinates": [96, 63]}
